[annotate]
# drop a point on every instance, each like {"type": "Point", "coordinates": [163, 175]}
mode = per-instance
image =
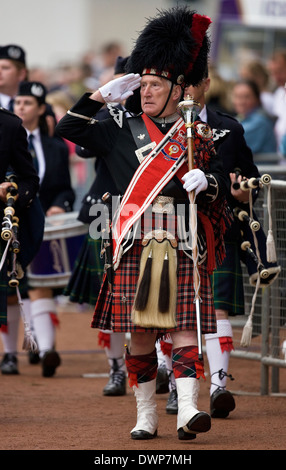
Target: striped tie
{"type": "Point", "coordinates": [33, 152]}
{"type": "Point", "coordinates": [11, 105]}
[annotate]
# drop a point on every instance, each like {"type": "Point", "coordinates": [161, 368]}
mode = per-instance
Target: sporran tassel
{"type": "Point", "coordinates": [144, 287]}
{"type": "Point", "coordinates": [164, 292]}
{"type": "Point", "coordinates": [151, 296]}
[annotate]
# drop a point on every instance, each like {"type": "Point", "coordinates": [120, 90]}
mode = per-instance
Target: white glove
{"type": "Point", "coordinates": [195, 180]}
{"type": "Point", "coordinates": [121, 88]}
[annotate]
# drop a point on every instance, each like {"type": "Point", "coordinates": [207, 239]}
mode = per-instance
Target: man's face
{"type": "Point", "coordinates": [198, 92]}
{"type": "Point", "coordinates": [154, 93]}
{"type": "Point", "coordinates": [10, 77]}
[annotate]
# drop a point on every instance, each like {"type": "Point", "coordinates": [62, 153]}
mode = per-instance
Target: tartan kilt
{"type": "Point", "coordinates": [113, 310]}
{"type": "Point", "coordinates": [227, 282]}
{"type": "Point", "coordinates": [85, 281]}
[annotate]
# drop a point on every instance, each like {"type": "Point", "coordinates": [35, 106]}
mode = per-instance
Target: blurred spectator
{"type": "Point", "coordinates": [277, 69]}
{"type": "Point", "coordinates": [257, 72]}
{"type": "Point", "coordinates": [108, 57]}
{"type": "Point", "coordinates": [61, 101]}
{"type": "Point", "coordinates": [282, 148]}
{"type": "Point", "coordinates": [13, 70]}
{"type": "Point", "coordinates": [258, 125]}
{"type": "Point", "coordinates": [69, 78]}
{"type": "Point", "coordinates": [218, 96]}
{"type": "Point", "coordinates": [40, 74]}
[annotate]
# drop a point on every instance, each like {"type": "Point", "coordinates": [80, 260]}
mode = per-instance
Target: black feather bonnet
{"type": "Point", "coordinates": [174, 45]}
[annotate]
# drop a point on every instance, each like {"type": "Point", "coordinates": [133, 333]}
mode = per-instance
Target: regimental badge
{"type": "Point", "coordinates": [172, 150]}
{"type": "Point", "coordinates": [14, 52]}
{"type": "Point", "coordinates": [37, 90]}
{"type": "Point", "coordinates": [204, 130]}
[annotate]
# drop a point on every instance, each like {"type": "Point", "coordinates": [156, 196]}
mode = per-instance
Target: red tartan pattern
{"type": "Point", "coordinates": [141, 368]}
{"type": "Point", "coordinates": [186, 363]}
{"type": "Point", "coordinates": [113, 311]}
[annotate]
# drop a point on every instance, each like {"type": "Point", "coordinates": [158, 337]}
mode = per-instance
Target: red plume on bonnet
{"type": "Point", "coordinates": [199, 28]}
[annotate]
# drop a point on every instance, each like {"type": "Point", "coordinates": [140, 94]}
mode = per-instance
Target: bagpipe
{"type": "Point", "coordinates": [258, 251]}
{"type": "Point", "coordinates": [10, 231]}
{"type": "Point", "coordinates": [10, 234]}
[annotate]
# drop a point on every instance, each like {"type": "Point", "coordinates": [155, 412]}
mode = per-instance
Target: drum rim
{"type": "Point", "coordinates": [57, 229]}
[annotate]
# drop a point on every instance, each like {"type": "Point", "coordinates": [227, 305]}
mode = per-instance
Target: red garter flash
{"type": "Point", "coordinates": [200, 371]}
{"type": "Point", "coordinates": [132, 379]}
{"type": "Point", "coordinates": [226, 343]}
{"type": "Point", "coordinates": [55, 319]}
{"type": "Point", "coordinates": [104, 339]}
{"type": "Point", "coordinates": [166, 348]}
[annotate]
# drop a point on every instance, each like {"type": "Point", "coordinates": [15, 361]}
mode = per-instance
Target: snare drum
{"type": "Point", "coordinates": [53, 264]}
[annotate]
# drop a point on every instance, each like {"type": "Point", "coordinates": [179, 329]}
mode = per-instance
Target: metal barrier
{"type": "Point", "coordinates": [268, 344]}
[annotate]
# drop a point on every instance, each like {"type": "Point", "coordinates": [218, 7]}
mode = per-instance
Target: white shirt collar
{"type": "Point", "coordinates": [35, 132]}
{"type": "Point", "coordinates": [5, 100]}
{"type": "Point", "coordinates": [203, 114]}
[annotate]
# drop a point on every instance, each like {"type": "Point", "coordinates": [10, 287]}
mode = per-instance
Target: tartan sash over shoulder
{"type": "Point", "coordinates": [155, 171]}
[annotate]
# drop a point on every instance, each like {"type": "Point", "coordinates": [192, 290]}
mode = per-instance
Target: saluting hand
{"type": "Point", "coordinates": [119, 89]}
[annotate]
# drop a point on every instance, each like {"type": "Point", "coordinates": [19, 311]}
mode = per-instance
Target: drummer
{"type": "Point", "coordinates": [51, 159]}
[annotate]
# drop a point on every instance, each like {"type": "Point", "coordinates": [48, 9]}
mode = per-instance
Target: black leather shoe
{"type": "Point", "coordinates": [116, 385]}
{"type": "Point", "coordinates": [172, 403]}
{"type": "Point", "coordinates": [50, 361]}
{"type": "Point", "coordinates": [162, 380]}
{"type": "Point", "coordinates": [221, 403]}
{"type": "Point", "coordinates": [33, 357]}
{"type": "Point", "coordinates": [141, 435]}
{"type": "Point", "coordinates": [201, 422]}
{"type": "Point", "coordinates": [9, 364]}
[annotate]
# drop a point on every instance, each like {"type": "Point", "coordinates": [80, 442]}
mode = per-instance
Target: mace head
{"type": "Point", "coordinates": [189, 109]}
